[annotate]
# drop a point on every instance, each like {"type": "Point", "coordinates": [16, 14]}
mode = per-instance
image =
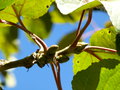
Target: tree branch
{"type": "Point", "coordinates": [26, 62]}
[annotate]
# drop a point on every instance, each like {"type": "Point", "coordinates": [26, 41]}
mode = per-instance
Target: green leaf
{"type": "Point", "coordinates": [83, 60]}
{"type": "Point", "coordinates": [68, 6]}
{"type": "Point", "coordinates": [8, 40]}
{"type": "Point", "coordinates": [5, 3]}
{"type": "Point", "coordinates": [105, 38]}
{"type": "Point", "coordinates": [41, 26]}
{"type": "Point", "coordinates": [32, 8]}
{"type": "Point", "coordinates": [103, 75]}
{"type": "Point", "coordinates": [8, 15]}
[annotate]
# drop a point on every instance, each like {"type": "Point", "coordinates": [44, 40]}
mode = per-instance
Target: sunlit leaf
{"type": "Point", "coordinates": [41, 26]}
{"type": "Point", "coordinates": [8, 40]}
{"type": "Point", "coordinates": [68, 6]}
{"type": "Point", "coordinates": [99, 76]}
{"type": "Point", "coordinates": [111, 7]}
{"type": "Point", "coordinates": [105, 38]}
{"type": "Point", "coordinates": [32, 8]}
{"type": "Point", "coordinates": [8, 15]}
{"type": "Point", "coordinates": [5, 3]}
{"type": "Point", "coordinates": [83, 60]}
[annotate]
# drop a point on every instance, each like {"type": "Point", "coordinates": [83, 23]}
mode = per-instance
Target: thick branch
{"type": "Point", "coordinates": [26, 62]}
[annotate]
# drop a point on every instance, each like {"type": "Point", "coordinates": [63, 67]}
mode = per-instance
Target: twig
{"type": "Point", "coordinates": [88, 49]}
{"type": "Point", "coordinates": [81, 18]}
{"type": "Point", "coordinates": [92, 53]}
{"type": "Point", "coordinates": [34, 36]}
{"type": "Point", "coordinates": [83, 29]}
{"type": "Point", "coordinates": [101, 48]}
{"type": "Point", "coordinates": [58, 76]}
{"type": "Point", "coordinates": [37, 39]}
{"type": "Point", "coordinates": [54, 73]}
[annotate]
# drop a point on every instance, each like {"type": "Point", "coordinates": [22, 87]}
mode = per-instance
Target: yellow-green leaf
{"type": "Point", "coordinates": [105, 38]}
{"type": "Point", "coordinates": [8, 15]}
{"type": "Point", "coordinates": [32, 8]}
{"type": "Point", "coordinates": [5, 3]}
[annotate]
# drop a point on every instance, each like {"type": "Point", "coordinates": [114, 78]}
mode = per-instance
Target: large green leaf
{"type": "Point", "coordinates": [41, 26]}
{"type": "Point", "coordinates": [32, 8]}
{"type": "Point", "coordinates": [103, 75]}
{"type": "Point", "coordinates": [5, 3]}
{"type": "Point", "coordinates": [8, 40]}
{"type": "Point", "coordinates": [84, 60]}
{"type": "Point", "coordinates": [105, 38]}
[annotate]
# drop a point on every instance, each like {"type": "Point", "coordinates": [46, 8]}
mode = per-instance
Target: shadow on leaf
{"type": "Point", "coordinates": [89, 79]}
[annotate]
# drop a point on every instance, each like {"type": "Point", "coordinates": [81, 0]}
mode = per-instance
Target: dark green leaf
{"type": "Point", "coordinates": [104, 38]}
{"type": "Point", "coordinates": [67, 40]}
{"type": "Point", "coordinates": [103, 75]}
{"type": "Point", "coordinates": [118, 43]}
{"type": "Point", "coordinates": [41, 26]}
{"type": "Point", "coordinates": [8, 40]}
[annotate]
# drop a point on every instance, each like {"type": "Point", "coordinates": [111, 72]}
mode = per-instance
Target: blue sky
{"type": "Point", "coordinates": [42, 78]}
